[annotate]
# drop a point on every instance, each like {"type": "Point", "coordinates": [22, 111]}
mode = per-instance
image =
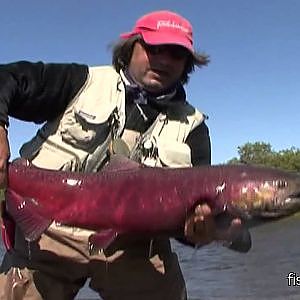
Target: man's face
{"type": "Point", "coordinates": [157, 68]}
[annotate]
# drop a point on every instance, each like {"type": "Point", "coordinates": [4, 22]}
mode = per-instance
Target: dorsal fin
{"type": "Point", "coordinates": [21, 162]}
{"type": "Point", "coordinates": [121, 163]}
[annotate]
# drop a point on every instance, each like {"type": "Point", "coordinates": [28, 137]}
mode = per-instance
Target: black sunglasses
{"type": "Point", "coordinates": [175, 51]}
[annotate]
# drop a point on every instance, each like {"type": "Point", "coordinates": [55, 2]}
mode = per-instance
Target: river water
{"type": "Point", "coordinates": [215, 272]}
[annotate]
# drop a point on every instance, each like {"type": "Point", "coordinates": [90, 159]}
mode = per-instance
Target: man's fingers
{"type": "Point", "coordinates": [189, 227]}
{"type": "Point", "coordinates": [200, 226]}
{"type": "Point", "coordinates": [236, 222]}
{"type": "Point", "coordinates": [202, 211]}
{"type": "Point", "coordinates": [204, 221]}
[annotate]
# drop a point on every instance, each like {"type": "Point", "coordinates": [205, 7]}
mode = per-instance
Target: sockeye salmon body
{"type": "Point", "coordinates": [128, 198]}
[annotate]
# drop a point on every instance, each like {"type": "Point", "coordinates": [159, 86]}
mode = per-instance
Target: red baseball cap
{"type": "Point", "coordinates": [163, 27]}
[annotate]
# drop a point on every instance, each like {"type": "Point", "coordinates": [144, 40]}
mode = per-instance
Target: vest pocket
{"type": "Point", "coordinates": [82, 134]}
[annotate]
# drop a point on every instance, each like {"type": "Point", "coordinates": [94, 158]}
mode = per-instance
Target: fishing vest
{"type": "Point", "coordinates": [81, 138]}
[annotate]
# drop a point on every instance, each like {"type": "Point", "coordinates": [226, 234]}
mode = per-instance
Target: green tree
{"type": "Point", "coordinates": [260, 153]}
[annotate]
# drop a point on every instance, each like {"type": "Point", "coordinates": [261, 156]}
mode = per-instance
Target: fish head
{"type": "Point", "coordinates": [268, 193]}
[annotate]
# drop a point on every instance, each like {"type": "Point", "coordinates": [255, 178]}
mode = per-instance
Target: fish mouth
{"type": "Point", "coordinates": [284, 207]}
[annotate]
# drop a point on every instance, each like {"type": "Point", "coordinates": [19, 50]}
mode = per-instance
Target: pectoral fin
{"type": "Point", "coordinates": [242, 242]}
{"type": "Point", "coordinates": [120, 163]}
{"type": "Point", "coordinates": [241, 238]}
{"type": "Point", "coordinates": [102, 239]}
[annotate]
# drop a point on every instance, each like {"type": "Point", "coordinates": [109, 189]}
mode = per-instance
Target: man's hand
{"type": "Point", "coordinates": [4, 156]}
{"type": "Point", "coordinates": [201, 228]}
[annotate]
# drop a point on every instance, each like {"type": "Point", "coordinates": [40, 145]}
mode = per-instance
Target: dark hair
{"type": "Point", "coordinates": [122, 51]}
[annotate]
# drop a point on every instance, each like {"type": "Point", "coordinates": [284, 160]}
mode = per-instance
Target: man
{"type": "Point", "coordinates": [136, 107]}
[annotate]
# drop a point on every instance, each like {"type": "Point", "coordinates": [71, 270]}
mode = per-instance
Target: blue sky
{"type": "Point", "coordinates": [250, 90]}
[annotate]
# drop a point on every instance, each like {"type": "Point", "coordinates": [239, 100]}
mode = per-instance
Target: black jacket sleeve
{"type": "Point", "coordinates": [199, 142]}
{"type": "Point", "coordinates": [38, 92]}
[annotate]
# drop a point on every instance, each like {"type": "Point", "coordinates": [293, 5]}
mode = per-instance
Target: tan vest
{"type": "Point", "coordinates": [163, 144]}
{"type": "Point", "coordinates": [80, 139]}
